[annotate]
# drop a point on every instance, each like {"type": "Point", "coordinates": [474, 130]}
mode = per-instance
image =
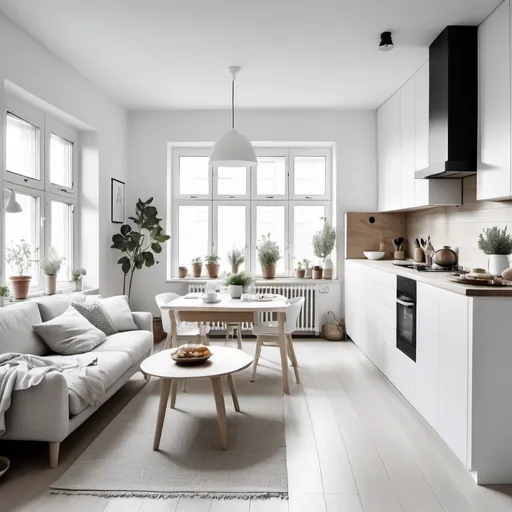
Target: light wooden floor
{"type": "Point", "coordinates": [353, 444]}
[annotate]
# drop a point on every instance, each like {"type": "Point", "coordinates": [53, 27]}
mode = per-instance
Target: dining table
{"type": "Point", "coordinates": [229, 310]}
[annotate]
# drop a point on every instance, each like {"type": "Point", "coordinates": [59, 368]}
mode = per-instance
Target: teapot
{"type": "Point", "coordinates": [445, 257]}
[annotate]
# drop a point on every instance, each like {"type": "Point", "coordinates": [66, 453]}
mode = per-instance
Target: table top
{"type": "Point", "coordinates": [224, 361]}
{"type": "Point", "coordinates": [227, 304]}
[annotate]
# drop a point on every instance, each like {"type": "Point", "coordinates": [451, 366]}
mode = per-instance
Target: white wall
{"type": "Point", "coordinates": [26, 63]}
{"type": "Point", "coordinates": [353, 133]}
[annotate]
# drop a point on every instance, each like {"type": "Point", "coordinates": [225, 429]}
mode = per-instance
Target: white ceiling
{"type": "Point", "coordinates": [294, 53]}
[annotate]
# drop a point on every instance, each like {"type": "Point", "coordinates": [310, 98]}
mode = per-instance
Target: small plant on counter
{"type": "Point", "coordinates": [236, 257]}
{"type": "Point", "coordinates": [300, 272]}
{"type": "Point", "coordinates": [18, 256]}
{"type": "Point", "coordinates": [197, 266]}
{"type": "Point", "coordinates": [197, 261]}
{"type": "Point", "coordinates": [237, 283]}
{"type": "Point", "coordinates": [211, 259]}
{"type": "Point", "coordinates": [77, 274]}
{"type": "Point", "coordinates": [268, 255]}
{"type": "Point", "coordinates": [324, 240]}
{"type": "Point", "coordinates": [52, 263]}
{"type": "Point", "coordinates": [4, 292]}
{"type": "Point", "coordinates": [495, 241]}
{"type": "Point", "coordinates": [212, 265]}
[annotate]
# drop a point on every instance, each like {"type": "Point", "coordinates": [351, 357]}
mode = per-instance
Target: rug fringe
{"type": "Point", "coordinates": [168, 495]}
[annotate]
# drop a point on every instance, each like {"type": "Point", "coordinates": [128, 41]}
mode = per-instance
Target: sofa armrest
{"type": "Point", "coordinates": [143, 320]}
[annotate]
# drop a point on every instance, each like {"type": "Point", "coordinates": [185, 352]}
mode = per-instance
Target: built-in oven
{"type": "Point", "coordinates": [406, 316]}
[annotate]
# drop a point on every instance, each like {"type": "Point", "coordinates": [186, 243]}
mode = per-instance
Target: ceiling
{"type": "Point", "coordinates": [174, 54]}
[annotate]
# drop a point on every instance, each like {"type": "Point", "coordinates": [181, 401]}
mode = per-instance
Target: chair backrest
{"type": "Point", "coordinates": [292, 314]}
{"type": "Point", "coordinates": [162, 299]}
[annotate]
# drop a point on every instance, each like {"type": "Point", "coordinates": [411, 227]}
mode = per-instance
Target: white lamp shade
{"type": "Point", "coordinates": [12, 205]}
{"type": "Point", "coordinates": [233, 150]}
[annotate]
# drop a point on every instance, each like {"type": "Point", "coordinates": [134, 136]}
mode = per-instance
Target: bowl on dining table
{"type": "Point", "coordinates": [374, 255]}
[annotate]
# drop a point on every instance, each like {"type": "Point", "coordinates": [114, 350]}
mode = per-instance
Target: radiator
{"type": "Point", "coordinates": [308, 319]}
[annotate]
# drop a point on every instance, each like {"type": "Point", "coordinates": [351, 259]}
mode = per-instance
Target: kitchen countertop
{"type": "Point", "coordinates": [439, 279]}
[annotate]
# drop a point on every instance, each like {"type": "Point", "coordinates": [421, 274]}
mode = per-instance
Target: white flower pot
{"type": "Point", "coordinates": [50, 285]}
{"type": "Point", "coordinates": [498, 263]}
{"type": "Point", "coordinates": [327, 274]}
{"type": "Point", "coordinates": [235, 291]}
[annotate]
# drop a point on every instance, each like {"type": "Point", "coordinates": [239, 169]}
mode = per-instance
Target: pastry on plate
{"type": "Point", "coordinates": [190, 351]}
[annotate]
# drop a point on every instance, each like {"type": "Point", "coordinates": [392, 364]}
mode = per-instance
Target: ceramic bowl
{"type": "Point", "coordinates": [374, 255]}
{"type": "Point", "coordinates": [4, 465]}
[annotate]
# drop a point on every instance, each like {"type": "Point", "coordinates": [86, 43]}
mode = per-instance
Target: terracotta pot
{"type": "Point", "coordinates": [197, 269]}
{"type": "Point", "coordinates": [419, 255]}
{"type": "Point", "coordinates": [309, 273]}
{"type": "Point", "coordinates": [50, 284]}
{"type": "Point", "coordinates": [212, 269]}
{"type": "Point", "coordinates": [183, 271]}
{"type": "Point", "coordinates": [268, 271]}
{"type": "Point", "coordinates": [299, 274]}
{"type": "Point", "coordinates": [234, 268]}
{"type": "Point", "coordinates": [317, 272]}
{"type": "Point", "coordinates": [20, 286]}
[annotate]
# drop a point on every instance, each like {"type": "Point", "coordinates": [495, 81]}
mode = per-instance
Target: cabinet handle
{"type": "Point", "coordinates": [405, 303]}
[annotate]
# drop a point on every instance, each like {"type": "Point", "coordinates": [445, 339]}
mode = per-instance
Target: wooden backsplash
{"type": "Point", "coordinates": [459, 226]}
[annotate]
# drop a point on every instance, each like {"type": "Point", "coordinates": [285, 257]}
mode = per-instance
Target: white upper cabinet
{"type": "Point", "coordinates": [421, 134]}
{"type": "Point", "coordinates": [494, 170]}
{"type": "Point", "coordinates": [407, 145]}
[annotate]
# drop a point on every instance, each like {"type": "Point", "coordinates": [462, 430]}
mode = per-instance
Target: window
{"type": "Point", "coordinates": [41, 163]}
{"type": "Point", "coordinates": [214, 210]}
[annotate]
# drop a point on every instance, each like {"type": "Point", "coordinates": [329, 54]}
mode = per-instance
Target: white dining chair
{"type": "Point", "coordinates": [233, 328]}
{"type": "Point", "coordinates": [267, 332]}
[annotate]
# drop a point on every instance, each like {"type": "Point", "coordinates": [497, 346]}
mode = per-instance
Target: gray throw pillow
{"type": "Point", "coordinates": [96, 315]}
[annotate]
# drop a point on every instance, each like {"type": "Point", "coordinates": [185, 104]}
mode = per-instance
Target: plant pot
{"type": "Point", "coordinates": [50, 284]}
{"type": "Point", "coordinates": [309, 273]}
{"type": "Point", "coordinates": [183, 271]}
{"type": "Point", "coordinates": [235, 291]}
{"type": "Point", "coordinates": [419, 255]}
{"type": "Point", "coordinates": [327, 273]}
{"type": "Point", "coordinates": [20, 286]}
{"type": "Point", "coordinates": [317, 272]}
{"type": "Point", "coordinates": [399, 255]}
{"type": "Point", "coordinates": [213, 270]}
{"type": "Point", "coordinates": [78, 285]}
{"type": "Point", "coordinates": [197, 269]}
{"type": "Point", "coordinates": [498, 263]}
{"type": "Point", "coordinates": [300, 274]}
{"type": "Point", "coordinates": [268, 271]}
{"type": "Point", "coordinates": [234, 268]}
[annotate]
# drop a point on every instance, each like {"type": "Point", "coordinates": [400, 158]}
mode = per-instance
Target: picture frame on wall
{"type": "Point", "coordinates": [117, 202]}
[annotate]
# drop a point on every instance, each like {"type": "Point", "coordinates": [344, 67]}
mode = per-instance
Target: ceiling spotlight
{"type": "Point", "coordinates": [386, 43]}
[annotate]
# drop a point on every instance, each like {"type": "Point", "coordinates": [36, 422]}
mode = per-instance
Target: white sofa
{"type": "Point", "coordinates": [49, 411]}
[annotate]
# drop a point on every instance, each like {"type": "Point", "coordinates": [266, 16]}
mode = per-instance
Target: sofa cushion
{"type": "Point", "coordinates": [119, 312]}
{"type": "Point", "coordinates": [96, 315]}
{"type": "Point", "coordinates": [113, 363]}
{"type": "Point", "coordinates": [53, 306]}
{"type": "Point", "coordinates": [134, 343]}
{"type": "Point", "coordinates": [16, 332]}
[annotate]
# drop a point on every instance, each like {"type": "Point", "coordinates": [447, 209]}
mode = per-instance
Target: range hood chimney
{"type": "Point", "coordinates": [453, 108]}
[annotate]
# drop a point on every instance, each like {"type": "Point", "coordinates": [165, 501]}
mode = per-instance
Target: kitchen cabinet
{"type": "Point", "coordinates": [407, 143]}
{"type": "Point", "coordinates": [494, 176]}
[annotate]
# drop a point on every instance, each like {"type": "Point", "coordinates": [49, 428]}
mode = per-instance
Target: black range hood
{"type": "Point", "coordinates": [453, 107]}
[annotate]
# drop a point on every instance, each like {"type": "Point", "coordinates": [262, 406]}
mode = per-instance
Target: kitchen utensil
{"type": "Point", "coordinates": [398, 243]}
{"type": "Point", "coordinates": [445, 257]}
{"type": "Point", "coordinates": [374, 255]}
{"type": "Point", "coordinates": [417, 243]}
{"type": "Point", "coordinates": [419, 255]}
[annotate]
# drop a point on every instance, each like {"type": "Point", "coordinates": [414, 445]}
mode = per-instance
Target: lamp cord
{"type": "Point", "coordinates": [232, 104]}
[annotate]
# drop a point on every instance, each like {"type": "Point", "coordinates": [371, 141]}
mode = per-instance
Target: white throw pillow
{"type": "Point", "coordinates": [119, 312]}
{"type": "Point", "coordinates": [70, 333]}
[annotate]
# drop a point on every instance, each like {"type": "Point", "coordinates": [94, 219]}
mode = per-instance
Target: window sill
{"type": "Point", "coordinates": [258, 280]}
{"type": "Point", "coordinates": [64, 290]}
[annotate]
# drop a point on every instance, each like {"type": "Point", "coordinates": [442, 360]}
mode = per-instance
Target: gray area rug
{"type": "Point", "coordinates": [190, 462]}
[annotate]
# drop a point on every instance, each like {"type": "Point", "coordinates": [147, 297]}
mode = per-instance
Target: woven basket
{"type": "Point", "coordinates": [333, 330]}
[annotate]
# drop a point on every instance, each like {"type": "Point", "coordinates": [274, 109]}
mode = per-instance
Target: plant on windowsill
{"type": "Point", "coordinates": [238, 284]}
{"type": "Point", "coordinates": [299, 271]}
{"type": "Point", "coordinates": [51, 267]}
{"type": "Point", "coordinates": [197, 266]}
{"type": "Point", "coordinates": [140, 244]}
{"type": "Point", "coordinates": [212, 265]}
{"type": "Point", "coordinates": [236, 257]}
{"type": "Point", "coordinates": [77, 276]}
{"type": "Point", "coordinates": [268, 255]}
{"type": "Point", "coordinates": [497, 244]}
{"type": "Point", "coordinates": [308, 268]}
{"type": "Point", "coordinates": [323, 244]}
{"type": "Point", "coordinates": [19, 256]}
{"type": "Point", "coordinates": [4, 294]}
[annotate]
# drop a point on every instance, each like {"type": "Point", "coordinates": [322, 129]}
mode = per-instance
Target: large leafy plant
{"type": "Point", "coordinates": [324, 240]}
{"type": "Point", "coordinates": [495, 241]}
{"type": "Point", "coordinates": [140, 244]}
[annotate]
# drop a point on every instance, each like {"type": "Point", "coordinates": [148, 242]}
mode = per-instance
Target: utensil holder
{"type": "Point", "coordinates": [399, 255]}
{"type": "Point", "coordinates": [419, 255]}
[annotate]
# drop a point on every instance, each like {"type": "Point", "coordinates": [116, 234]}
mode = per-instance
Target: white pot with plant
{"type": "Point", "coordinates": [299, 271]}
{"type": "Point", "coordinates": [197, 266]}
{"type": "Point", "coordinates": [308, 274]}
{"type": "Point", "coordinates": [77, 276]}
{"type": "Point", "coordinates": [4, 294]}
{"type": "Point", "coordinates": [19, 257]}
{"type": "Point", "coordinates": [238, 284]}
{"type": "Point", "coordinates": [497, 244]}
{"type": "Point", "coordinates": [51, 267]}
{"type": "Point", "coordinates": [323, 245]}
{"type": "Point", "coordinates": [236, 257]}
{"type": "Point", "coordinates": [268, 255]}
{"type": "Point", "coordinates": [212, 265]}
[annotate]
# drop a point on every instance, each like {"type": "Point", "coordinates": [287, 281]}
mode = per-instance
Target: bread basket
{"type": "Point", "coordinates": [333, 330]}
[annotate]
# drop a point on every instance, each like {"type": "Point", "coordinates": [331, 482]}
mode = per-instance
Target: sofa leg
{"type": "Point", "coordinates": [54, 454]}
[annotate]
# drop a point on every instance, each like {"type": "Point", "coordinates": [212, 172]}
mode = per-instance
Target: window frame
{"type": "Point", "coordinates": [177, 153]}
{"type": "Point", "coordinates": [236, 197]}
{"type": "Point", "coordinates": [263, 152]}
{"type": "Point", "coordinates": [297, 152]}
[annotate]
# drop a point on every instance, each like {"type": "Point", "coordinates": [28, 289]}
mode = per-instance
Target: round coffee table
{"type": "Point", "coordinates": [224, 361]}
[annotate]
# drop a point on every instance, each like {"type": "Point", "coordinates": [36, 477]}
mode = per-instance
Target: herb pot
{"type": "Point", "coordinates": [213, 270]}
{"type": "Point", "coordinates": [445, 257]}
{"type": "Point", "coordinates": [50, 284]}
{"type": "Point", "coordinates": [235, 291]}
{"type": "Point", "coordinates": [498, 263]}
{"type": "Point", "coordinates": [300, 273]}
{"type": "Point", "coordinates": [78, 285]}
{"type": "Point", "coordinates": [234, 268]}
{"type": "Point", "coordinates": [419, 255]}
{"type": "Point", "coordinates": [399, 255]}
{"type": "Point", "coordinates": [268, 271]}
{"type": "Point", "coordinates": [327, 272]}
{"type": "Point", "coordinates": [317, 272]}
{"type": "Point", "coordinates": [309, 273]}
{"type": "Point", "coordinates": [197, 269]}
{"type": "Point", "coordinates": [183, 271]}
{"type": "Point", "coordinates": [20, 286]}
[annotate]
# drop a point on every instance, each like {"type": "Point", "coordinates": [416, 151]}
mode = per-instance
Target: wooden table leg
{"type": "Point", "coordinates": [174, 391]}
{"type": "Point", "coordinates": [164, 395]}
{"type": "Point", "coordinates": [221, 410]}
{"type": "Point", "coordinates": [232, 388]}
{"type": "Point", "coordinates": [281, 317]}
{"type": "Point", "coordinates": [174, 329]}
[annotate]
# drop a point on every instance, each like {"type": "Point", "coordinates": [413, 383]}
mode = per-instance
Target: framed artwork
{"type": "Point", "coordinates": [117, 202]}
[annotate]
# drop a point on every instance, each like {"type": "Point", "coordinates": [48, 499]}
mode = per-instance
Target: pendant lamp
{"type": "Point", "coordinates": [12, 205]}
{"type": "Point", "coordinates": [233, 149]}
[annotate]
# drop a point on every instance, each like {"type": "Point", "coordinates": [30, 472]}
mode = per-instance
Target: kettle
{"type": "Point", "coordinates": [445, 257]}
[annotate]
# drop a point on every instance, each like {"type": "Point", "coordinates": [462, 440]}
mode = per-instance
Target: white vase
{"type": "Point", "coordinates": [327, 274]}
{"type": "Point", "coordinates": [78, 285]}
{"type": "Point", "coordinates": [235, 291]}
{"type": "Point", "coordinates": [50, 285]}
{"type": "Point", "coordinates": [498, 263]}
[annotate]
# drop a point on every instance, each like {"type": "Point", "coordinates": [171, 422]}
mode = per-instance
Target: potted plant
{"type": "Point", "coordinates": [197, 266]}
{"type": "Point", "coordinates": [76, 277]}
{"type": "Point", "coordinates": [4, 294]}
{"type": "Point", "coordinates": [497, 244]}
{"type": "Point", "coordinates": [19, 256]}
{"type": "Point", "coordinates": [236, 257]}
{"type": "Point", "coordinates": [183, 271]}
{"type": "Point", "coordinates": [237, 284]}
{"type": "Point", "coordinates": [299, 271]}
{"type": "Point", "coordinates": [268, 255]}
{"type": "Point", "coordinates": [317, 272]}
{"type": "Point", "coordinates": [51, 267]}
{"type": "Point", "coordinates": [308, 268]}
{"type": "Point", "coordinates": [323, 245]}
{"type": "Point", "coordinates": [212, 265]}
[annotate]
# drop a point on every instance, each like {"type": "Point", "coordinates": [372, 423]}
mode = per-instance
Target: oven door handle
{"type": "Point", "coordinates": [405, 303]}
